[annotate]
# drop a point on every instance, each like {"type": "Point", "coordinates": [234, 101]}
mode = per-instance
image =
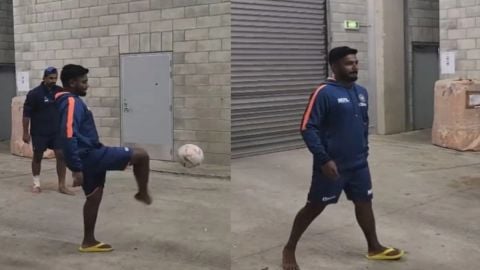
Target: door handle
{"type": "Point", "coordinates": [125, 106]}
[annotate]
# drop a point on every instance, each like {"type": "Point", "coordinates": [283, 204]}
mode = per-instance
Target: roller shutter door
{"type": "Point", "coordinates": [278, 58]}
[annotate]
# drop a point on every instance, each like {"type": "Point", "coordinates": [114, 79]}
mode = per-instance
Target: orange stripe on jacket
{"type": "Point", "coordinates": [308, 112]}
{"type": "Point", "coordinates": [71, 109]}
{"type": "Point", "coordinates": [59, 94]}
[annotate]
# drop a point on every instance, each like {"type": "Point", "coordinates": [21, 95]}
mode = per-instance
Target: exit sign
{"type": "Point", "coordinates": [351, 25]}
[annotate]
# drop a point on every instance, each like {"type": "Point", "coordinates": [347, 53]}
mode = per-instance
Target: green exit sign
{"type": "Point", "coordinates": [351, 25]}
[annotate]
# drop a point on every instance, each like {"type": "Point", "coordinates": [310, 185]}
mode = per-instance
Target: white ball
{"type": "Point", "coordinates": [190, 155]}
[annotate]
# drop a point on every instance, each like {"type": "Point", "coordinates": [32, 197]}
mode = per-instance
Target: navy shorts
{"type": "Point", "coordinates": [42, 143]}
{"type": "Point", "coordinates": [97, 162]}
{"type": "Point", "coordinates": [357, 185]}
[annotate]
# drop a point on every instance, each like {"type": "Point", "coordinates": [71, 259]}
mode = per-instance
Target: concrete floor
{"type": "Point", "coordinates": [427, 201]}
{"type": "Point", "coordinates": [187, 226]}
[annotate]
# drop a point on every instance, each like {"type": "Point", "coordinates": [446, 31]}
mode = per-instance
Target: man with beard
{"type": "Point", "coordinates": [88, 159]}
{"type": "Point", "coordinates": [335, 130]}
{"type": "Point", "coordinates": [41, 115]}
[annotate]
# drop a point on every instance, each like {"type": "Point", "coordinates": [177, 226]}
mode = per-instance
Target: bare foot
{"type": "Point", "coordinates": [289, 262]}
{"type": "Point", "coordinates": [36, 189]}
{"type": "Point", "coordinates": [66, 191]}
{"type": "Point", "coordinates": [145, 198]}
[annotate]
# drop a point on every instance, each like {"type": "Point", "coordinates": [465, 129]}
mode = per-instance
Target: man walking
{"type": "Point", "coordinates": [41, 115]}
{"type": "Point", "coordinates": [335, 130]}
{"type": "Point", "coordinates": [88, 159]}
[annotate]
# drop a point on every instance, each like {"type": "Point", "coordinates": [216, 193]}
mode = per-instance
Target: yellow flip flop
{"type": "Point", "coordinates": [96, 248]}
{"type": "Point", "coordinates": [384, 255]}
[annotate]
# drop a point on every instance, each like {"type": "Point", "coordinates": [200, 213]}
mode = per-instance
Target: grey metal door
{"type": "Point", "coordinates": [146, 103]}
{"type": "Point", "coordinates": [425, 74]}
{"type": "Point", "coordinates": [278, 58]}
{"type": "Point", "coordinates": [7, 92]}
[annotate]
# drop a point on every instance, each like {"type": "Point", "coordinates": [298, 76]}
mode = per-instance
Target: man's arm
{"type": "Point", "coordinates": [367, 118]}
{"type": "Point", "coordinates": [28, 108]}
{"type": "Point", "coordinates": [312, 123]}
{"type": "Point", "coordinates": [71, 115]}
{"type": "Point", "coordinates": [26, 132]}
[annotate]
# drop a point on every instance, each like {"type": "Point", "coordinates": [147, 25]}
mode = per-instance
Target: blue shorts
{"type": "Point", "coordinates": [42, 143]}
{"type": "Point", "coordinates": [357, 185]}
{"type": "Point", "coordinates": [97, 162]}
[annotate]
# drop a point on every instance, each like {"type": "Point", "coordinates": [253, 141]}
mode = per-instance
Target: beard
{"type": "Point", "coordinates": [81, 93]}
{"type": "Point", "coordinates": [352, 77]}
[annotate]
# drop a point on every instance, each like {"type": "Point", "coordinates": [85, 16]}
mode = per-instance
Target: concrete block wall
{"type": "Point", "coordinates": [338, 12]}
{"type": "Point", "coordinates": [460, 32]}
{"type": "Point", "coordinates": [7, 54]}
{"type": "Point", "coordinates": [422, 27]}
{"type": "Point", "coordinates": [95, 32]}
{"type": "Point", "coordinates": [423, 21]}
{"type": "Point", "coordinates": [358, 10]}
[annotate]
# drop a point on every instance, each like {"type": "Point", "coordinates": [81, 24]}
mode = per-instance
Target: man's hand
{"type": "Point", "coordinates": [26, 138]}
{"type": "Point", "coordinates": [77, 179]}
{"type": "Point", "coordinates": [330, 170]}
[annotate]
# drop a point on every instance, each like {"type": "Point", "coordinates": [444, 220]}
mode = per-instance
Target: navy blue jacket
{"type": "Point", "coordinates": [335, 126]}
{"type": "Point", "coordinates": [40, 107]}
{"type": "Point", "coordinates": [77, 129]}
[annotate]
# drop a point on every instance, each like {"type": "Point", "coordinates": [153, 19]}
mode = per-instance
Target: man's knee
{"type": "Point", "coordinates": [95, 195]}
{"type": "Point", "coordinates": [140, 156]}
{"type": "Point", "coordinates": [362, 204]}
{"type": "Point", "coordinates": [37, 156]}
{"type": "Point", "coordinates": [59, 154]}
{"type": "Point", "coordinates": [314, 208]}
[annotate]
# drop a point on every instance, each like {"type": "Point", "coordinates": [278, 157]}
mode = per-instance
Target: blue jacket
{"type": "Point", "coordinates": [40, 107]}
{"type": "Point", "coordinates": [335, 126]}
{"type": "Point", "coordinates": [77, 129]}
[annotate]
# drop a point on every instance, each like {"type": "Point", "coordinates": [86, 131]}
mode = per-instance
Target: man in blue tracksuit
{"type": "Point", "coordinates": [40, 125]}
{"type": "Point", "coordinates": [87, 158]}
{"type": "Point", "coordinates": [335, 130]}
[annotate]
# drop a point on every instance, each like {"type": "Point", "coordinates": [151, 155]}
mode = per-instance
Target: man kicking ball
{"type": "Point", "coordinates": [335, 130]}
{"type": "Point", "coordinates": [87, 158]}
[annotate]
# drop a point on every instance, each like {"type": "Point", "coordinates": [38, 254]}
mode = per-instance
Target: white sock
{"type": "Point", "coordinates": [36, 180]}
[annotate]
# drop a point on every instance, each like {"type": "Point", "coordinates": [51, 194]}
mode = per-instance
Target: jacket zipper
{"type": "Point", "coordinates": [352, 101]}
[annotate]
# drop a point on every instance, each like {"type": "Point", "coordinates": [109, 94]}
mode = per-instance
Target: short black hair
{"type": "Point", "coordinates": [338, 53]}
{"type": "Point", "coordinates": [70, 72]}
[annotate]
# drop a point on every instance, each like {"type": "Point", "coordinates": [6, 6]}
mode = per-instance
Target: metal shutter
{"type": "Point", "coordinates": [278, 59]}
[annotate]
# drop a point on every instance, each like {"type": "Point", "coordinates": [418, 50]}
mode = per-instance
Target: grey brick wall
{"type": "Point", "coordinates": [460, 32]}
{"type": "Point", "coordinates": [422, 27]}
{"type": "Point", "coordinates": [6, 33]}
{"type": "Point", "coordinates": [338, 12]}
{"type": "Point", "coordinates": [94, 32]}
{"type": "Point", "coordinates": [423, 20]}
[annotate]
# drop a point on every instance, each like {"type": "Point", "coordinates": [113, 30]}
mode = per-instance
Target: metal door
{"type": "Point", "coordinates": [146, 103]}
{"type": "Point", "coordinates": [425, 74]}
{"type": "Point", "coordinates": [278, 59]}
{"type": "Point", "coordinates": [7, 92]}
